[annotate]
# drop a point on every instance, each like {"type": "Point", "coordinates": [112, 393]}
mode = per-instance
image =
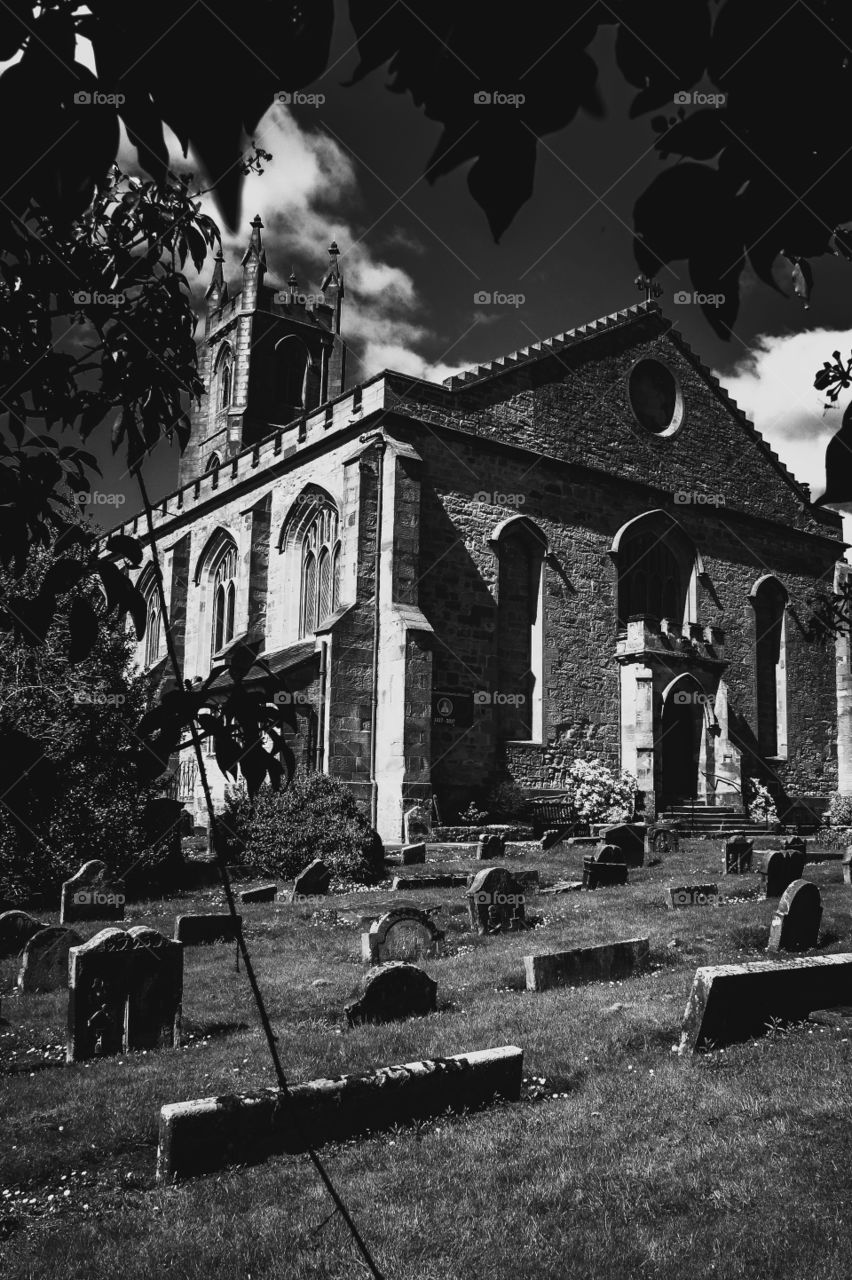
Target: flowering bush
{"type": "Point", "coordinates": [839, 811]}
{"type": "Point", "coordinates": [758, 798]}
{"type": "Point", "coordinates": [598, 794]}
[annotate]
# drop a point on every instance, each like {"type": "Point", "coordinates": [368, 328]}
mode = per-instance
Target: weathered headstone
{"type": "Point", "coordinates": [847, 866]}
{"type": "Point", "coordinates": [394, 991]}
{"type": "Point", "coordinates": [732, 1002]}
{"type": "Point", "coordinates": [313, 882]}
{"type": "Point", "coordinates": [125, 990]}
{"type": "Point", "coordinates": [607, 963]}
{"type": "Point", "coordinates": [197, 931]}
{"type": "Point", "coordinates": [661, 838]}
{"type": "Point", "coordinates": [737, 856]}
{"type": "Point", "coordinates": [490, 847]}
{"type": "Point", "coordinates": [44, 965]}
{"type": "Point", "coordinates": [263, 893]}
{"type": "Point", "coordinates": [16, 929]}
{"type": "Point", "coordinates": [629, 837]}
{"type": "Point", "coordinates": [795, 925]}
{"type": "Point", "coordinates": [694, 895]}
{"type": "Point", "coordinates": [413, 854]}
{"type": "Point", "coordinates": [495, 902]}
{"type": "Point", "coordinates": [606, 866]}
{"type": "Point", "coordinates": [416, 824]}
{"type": "Point", "coordinates": [92, 894]}
{"type": "Point", "coordinates": [406, 933]}
{"type": "Point", "coordinates": [779, 869]}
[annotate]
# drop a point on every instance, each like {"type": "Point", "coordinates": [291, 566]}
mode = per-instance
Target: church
{"type": "Point", "coordinates": [581, 549]}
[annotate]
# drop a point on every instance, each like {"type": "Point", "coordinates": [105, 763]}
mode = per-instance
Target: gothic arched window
{"type": "Point", "coordinates": [214, 462]}
{"type": "Point", "coordinates": [224, 377]}
{"type": "Point", "coordinates": [656, 570]}
{"type": "Point", "coordinates": [224, 598]}
{"type": "Point", "coordinates": [769, 600]}
{"type": "Point", "coordinates": [153, 627]}
{"type": "Point", "coordinates": [320, 579]}
{"type": "Point", "coordinates": [291, 363]}
{"type": "Point", "coordinates": [521, 548]}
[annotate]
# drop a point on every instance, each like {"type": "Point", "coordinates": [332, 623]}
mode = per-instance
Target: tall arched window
{"type": "Point", "coordinates": [291, 363]}
{"type": "Point", "coordinates": [320, 584]}
{"type": "Point", "coordinates": [224, 598]}
{"type": "Point", "coordinates": [521, 548]}
{"type": "Point", "coordinates": [656, 570]}
{"type": "Point", "coordinates": [769, 600]}
{"type": "Point", "coordinates": [153, 627]}
{"type": "Point", "coordinates": [224, 375]}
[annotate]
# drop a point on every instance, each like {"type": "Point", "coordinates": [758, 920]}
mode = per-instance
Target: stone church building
{"type": "Point", "coordinates": [583, 548]}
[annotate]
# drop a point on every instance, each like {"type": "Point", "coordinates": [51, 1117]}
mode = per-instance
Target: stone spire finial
{"type": "Point", "coordinates": [333, 277]}
{"type": "Point", "coordinates": [255, 248]}
{"type": "Point", "coordinates": [217, 283]}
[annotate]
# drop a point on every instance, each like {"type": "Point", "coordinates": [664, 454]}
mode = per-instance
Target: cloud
{"type": "Point", "coordinates": [773, 385]}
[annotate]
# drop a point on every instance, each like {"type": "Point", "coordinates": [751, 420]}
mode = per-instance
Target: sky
{"type": "Point", "coordinates": [415, 255]}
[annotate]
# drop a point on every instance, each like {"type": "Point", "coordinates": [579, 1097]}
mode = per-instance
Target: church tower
{"type": "Point", "coordinates": [268, 356]}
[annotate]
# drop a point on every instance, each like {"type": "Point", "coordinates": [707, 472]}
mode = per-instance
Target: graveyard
{"type": "Point", "coordinates": [616, 1156]}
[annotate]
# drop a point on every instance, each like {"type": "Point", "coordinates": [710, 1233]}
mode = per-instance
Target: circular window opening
{"type": "Point", "coordinates": [655, 397]}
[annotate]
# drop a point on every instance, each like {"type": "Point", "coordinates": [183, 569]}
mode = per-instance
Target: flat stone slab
{"type": "Point", "coordinates": [208, 1134]}
{"type": "Point", "coordinates": [564, 886]}
{"type": "Point", "coordinates": [606, 963]}
{"type": "Point", "coordinates": [693, 895]}
{"type": "Point", "coordinates": [733, 1002]}
{"type": "Point", "coordinates": [263, 893]}
{"type": "Point", "coordinates": [407, 883]}
{"type": "Point", "coordinates": [197, 931]}
{"type": "Point", "coordinates": [840, 1018]}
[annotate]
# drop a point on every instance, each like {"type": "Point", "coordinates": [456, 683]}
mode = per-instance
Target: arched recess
{"type": "Point", "coordinates": [686, 709]}
{"type": "Point", "coordinates": [153, 638]}
{"type": "Point", "coordinates": [521, 547]}
{"type": "Point", "coordinates": [769, 600]}
{"type": "Point", "coordinates": [657, 570]}
{"type": "Point", "coordinates": [310, 539]}
{"type": "Point", "coordinates": [291, 361]}
{"type": "Point", "coordinates": [223, 373]}
{"type": "Point", "coordinates": [214, 462]}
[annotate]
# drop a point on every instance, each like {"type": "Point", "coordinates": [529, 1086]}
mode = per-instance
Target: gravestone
{"type": "Point", "coordinates": [197, 931]}
{"type": "Point", "coordinates": [416, 825]}
{"type": "Point", "coordinates": [795, 925]}
{"type": "Point", "coordinates": [413, 854]}
{"type": "Point", "coordinates": [406, 933]}
{"type": "Point", "coordinates": [737, 856]}
{"type": "Point", "coordinates": [313, 882]}
{"type": "Point", "coordinates": [606, 866]}
{"type": "Point", "coordinates": [44, 965]}
{"type": "Point", "coordinates": [694, 895]}
{"type": "Point", "coordinates": [495, 902]}
{"type": "Point", "coordinates": [780, 868]}
{"type": "Point", "coordinates": [490, 847]}
{"type": "Point", "coordinates": [16, 929]}
{"type": "Point", "coordinates": [125, 990]}
{"type": "Point", "coordinates": [629, 837]}
{"type": "Point", "coordinates": [661, 838]}
{"type": "Point", "coordinates": [263, 893]}
{"type": "Point", "coordinates": [92, 895]}
{"type": "Point", "coordinates": [607, 963]}
{"type": "Point", "coordinates": [407, 883]}
{"type": "Point", "coordinates": [847, 866]}
{"type": "Point", "coordinates": [796, 844]}
{"type": "Point", "coordinates": [394, 991]}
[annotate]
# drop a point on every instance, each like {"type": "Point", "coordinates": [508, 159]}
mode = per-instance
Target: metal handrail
{"type": "Point", "coordinates": [721, 779]}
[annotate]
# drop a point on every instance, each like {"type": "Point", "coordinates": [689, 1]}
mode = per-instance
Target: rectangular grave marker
{"type": "Point", "coordinates": [606, 963]}
{"type": "Point", "coordinates": [197, 931]}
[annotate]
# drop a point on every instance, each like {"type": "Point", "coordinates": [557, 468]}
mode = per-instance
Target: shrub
{"type": "Point", "coordinates": [598, 794]}
{"type": "Point", "coordinates": [315, 817]}
{"type": "Point", "coordinates": [758, 798]}
{"type": "Point", "coordinates": [473, 817]}
{"type": "Point", "coordinates": [506, 801]}
{"type": "Point", "coordinates": [840, 810]}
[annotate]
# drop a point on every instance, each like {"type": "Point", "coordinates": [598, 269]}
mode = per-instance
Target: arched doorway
{"type": "Point", "coordinates": [681, 732]}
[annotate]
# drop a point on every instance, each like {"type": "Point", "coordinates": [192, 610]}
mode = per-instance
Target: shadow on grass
{"type": "Point", "coordinates": [213, 1029]}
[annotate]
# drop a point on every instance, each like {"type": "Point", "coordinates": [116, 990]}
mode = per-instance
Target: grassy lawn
{"type": "Point", "coordinates": [620, 1161]}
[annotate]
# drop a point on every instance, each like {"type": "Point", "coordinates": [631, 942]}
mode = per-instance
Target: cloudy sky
{"type": "Point", "coordinates": [415, 254]}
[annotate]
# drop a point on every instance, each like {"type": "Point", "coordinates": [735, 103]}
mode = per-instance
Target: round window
{"type": "Point", "coordinates": [655, 397]}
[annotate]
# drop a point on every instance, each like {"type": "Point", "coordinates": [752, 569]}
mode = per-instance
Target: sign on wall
{"type": "Point", "coordinates": [452, 709]}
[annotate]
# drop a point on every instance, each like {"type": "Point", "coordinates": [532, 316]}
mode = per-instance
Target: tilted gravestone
{"type": "Point", "coordinates": [92, 895]}
{"type": "Point", "coordinates": [406, 933]}
{"type": "Point", "coordinates": [263, 893]}
{"type": "Point", "coordinates": [779, 869]}
{"type": "Point", "coordinates": [197, 931]}
{"type": "Point", "coordinates": [495, 902]}
{"type": "Point", "coordinates": [416, 824]}
{"type": "Point", "coordinates": [693, 895]}
{"type": "Point", "coordinates": [606, 866]}
{"type": "Point", "coordinates": [629, 837]}
{"type": "Point", "coordinates": [16, 929]}
{"type": "Point", "coordinates": [412, 854]}
{"type": "Point", "coordinates": [795, 925]}
{"type": "Point", "coordinates": [44, 965]}
{"type": "Point", "coordinates": [394, 991]}
{"type": "Point", "coordinates": [490, 847]}
{"type": "Point", "coordinates": [313, 882]}
{"type": "Point", "coordinates": [737, 856]}
{"type": "Point", "coordinates": [847, 866]}
{"type": "Point", "coordinates": [125, 990]}
{"type": "Point", "coordinates": [661, 838]}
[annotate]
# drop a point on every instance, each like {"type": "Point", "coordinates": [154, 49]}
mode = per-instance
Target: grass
{"type": "Point", "coordinates": [620, 1161]}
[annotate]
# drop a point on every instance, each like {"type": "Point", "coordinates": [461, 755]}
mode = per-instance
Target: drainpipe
{"type": "Point", "coordinates": [381, 445]}
{"type": "Point", "coordinates": [323, 683]}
